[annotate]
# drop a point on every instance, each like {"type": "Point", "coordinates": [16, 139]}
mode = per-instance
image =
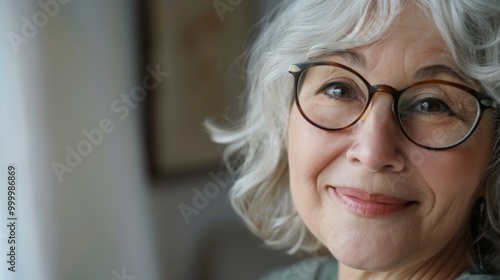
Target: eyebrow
{"type": "Point", "coordinates": [433, 71]}
{"type": "Point", "coordinates": [353, 57]}
{"type": "Point", "coordinates": [350, 56]}
{"type": "Point", "coordinates": [358, 59]}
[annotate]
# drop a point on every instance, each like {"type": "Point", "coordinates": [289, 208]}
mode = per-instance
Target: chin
{"type": "Point", "coordinates": [368, 257]}
{"type": "Point", "coordinates": [368, 263]}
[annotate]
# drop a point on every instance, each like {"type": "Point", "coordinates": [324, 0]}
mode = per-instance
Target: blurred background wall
{"type": "Point", "coordinates": [101, 105]}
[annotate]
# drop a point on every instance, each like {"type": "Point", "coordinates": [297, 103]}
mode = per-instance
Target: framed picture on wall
{"type": "Point", "coordinates": [202, 46]}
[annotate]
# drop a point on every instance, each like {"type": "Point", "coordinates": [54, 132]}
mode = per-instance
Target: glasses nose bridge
{"type": "Point", "coordinates": [387, 89]}
{"type": "Point", "coordinates": [384, 88]}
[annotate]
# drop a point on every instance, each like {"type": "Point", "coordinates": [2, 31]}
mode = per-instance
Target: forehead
{"type": "Point", "coordinates": [413, 42]}
{"type": "Point", "coordinates": [413, 29]}
{"type": "Point", "coordinates": [412, 36]}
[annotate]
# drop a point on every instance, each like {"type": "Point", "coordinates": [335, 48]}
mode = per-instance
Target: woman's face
{"type": "Point", "coordinates": [376, 200]}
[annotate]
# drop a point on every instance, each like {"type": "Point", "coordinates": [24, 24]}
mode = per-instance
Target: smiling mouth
{"type": "Point", "coordinates": [370, 205]}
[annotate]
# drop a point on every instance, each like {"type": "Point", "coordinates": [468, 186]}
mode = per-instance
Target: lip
{"type": "Point", "coordinates": [370, 205]}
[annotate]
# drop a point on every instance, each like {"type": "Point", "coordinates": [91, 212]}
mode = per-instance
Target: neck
{"type": "Point", "coordinates": [449, 263]}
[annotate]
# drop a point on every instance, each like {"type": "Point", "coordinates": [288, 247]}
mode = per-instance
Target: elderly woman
{"type": "Point", "coordinates": [380, 149]}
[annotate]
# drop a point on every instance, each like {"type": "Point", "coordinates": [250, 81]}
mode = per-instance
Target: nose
{"type": "Point", "coordinates": [378, 141]}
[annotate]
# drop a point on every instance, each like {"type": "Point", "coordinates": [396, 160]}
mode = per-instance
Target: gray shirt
{"type": "Point", "coordinates": [327, 270]}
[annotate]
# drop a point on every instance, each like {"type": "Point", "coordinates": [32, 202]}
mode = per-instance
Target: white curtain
{"type": "Point", "coordinates": [66, 70]}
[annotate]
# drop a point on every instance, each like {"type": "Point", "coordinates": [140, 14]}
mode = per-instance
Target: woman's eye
{"type": "Point", "coordinates": [339, 91]}
{"type": "Point", "coordinates": [431, 105]}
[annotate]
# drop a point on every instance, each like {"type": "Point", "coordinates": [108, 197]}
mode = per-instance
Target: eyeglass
{"type": "Point", "coordinates": [433, 114]}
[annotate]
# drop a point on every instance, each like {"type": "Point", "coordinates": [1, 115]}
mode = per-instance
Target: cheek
{"type": "Point", "coordinates": [454, 177]}
{"type": "Point", "coordinates": [453, 188]}
{"type": "Point", "coordinates": [302, 150]}
{"type": "Point", "coordinates": [310, 151]}
{"type": "Point", "coordinates": [462, 169]}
